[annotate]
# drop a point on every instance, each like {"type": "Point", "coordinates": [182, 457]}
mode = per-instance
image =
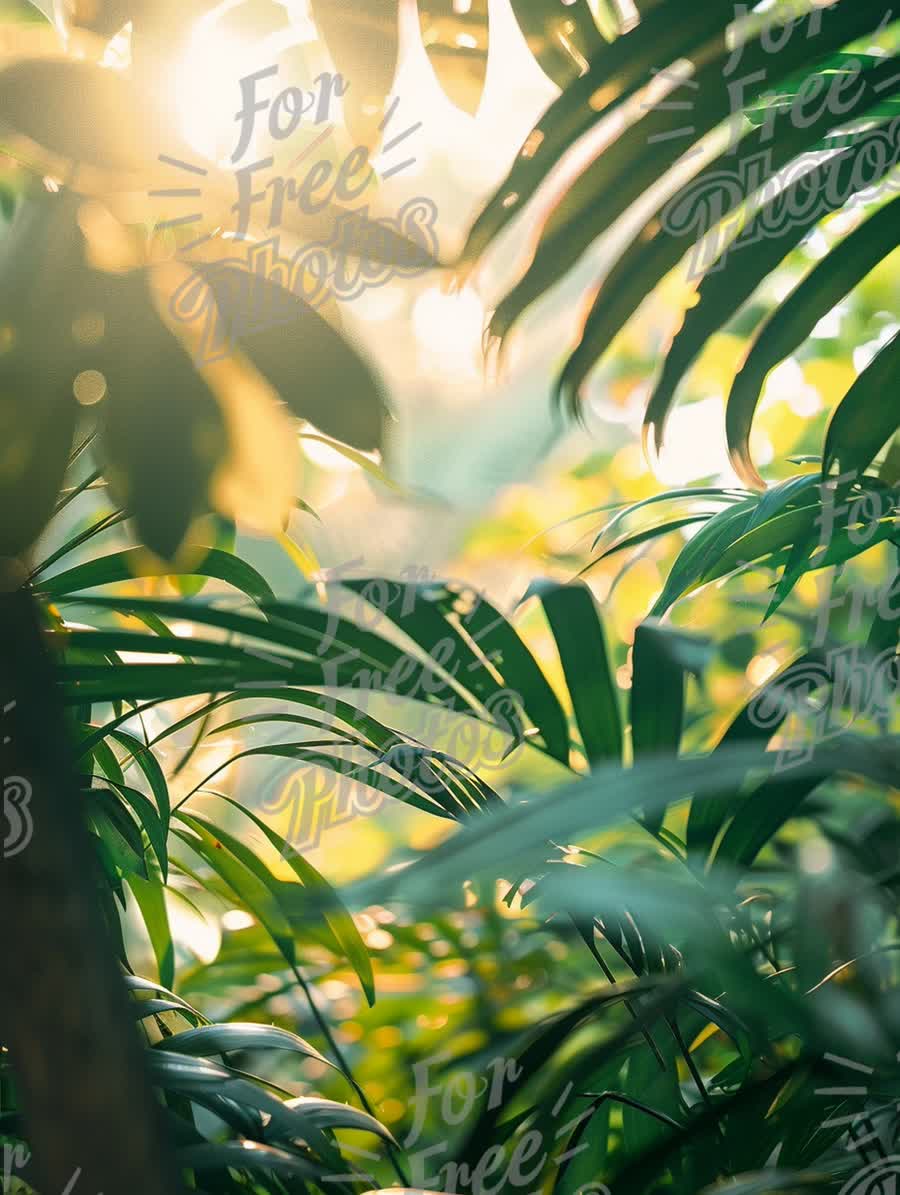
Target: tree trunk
{"type": "Point", "coordinates": [91, 1117]}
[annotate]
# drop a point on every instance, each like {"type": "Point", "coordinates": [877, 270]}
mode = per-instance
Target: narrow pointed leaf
{"type": "Point", "coordinates": [589, 671]}
{"type": "Point", "coordinates": [865, 420]}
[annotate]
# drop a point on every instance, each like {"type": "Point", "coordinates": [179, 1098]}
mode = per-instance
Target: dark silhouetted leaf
{"type": "Point", "coordinates": [362, 39]}
{"type": "Point", "coordinates": [314, 368]}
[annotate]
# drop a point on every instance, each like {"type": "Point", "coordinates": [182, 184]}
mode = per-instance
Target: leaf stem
{"type": "Point", "coordinates": [344, 1065]}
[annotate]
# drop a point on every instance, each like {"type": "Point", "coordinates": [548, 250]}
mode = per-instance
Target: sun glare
{"type": "Point", "coordinates": [207, 81]}
{"type": "Point", "coordinates": [207, 78]}
{"type": "Point", "coordinates": [449, 327]}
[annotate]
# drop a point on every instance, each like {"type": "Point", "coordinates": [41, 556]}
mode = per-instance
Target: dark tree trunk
{"type": "Point", "coordinates": [76, 1056]}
